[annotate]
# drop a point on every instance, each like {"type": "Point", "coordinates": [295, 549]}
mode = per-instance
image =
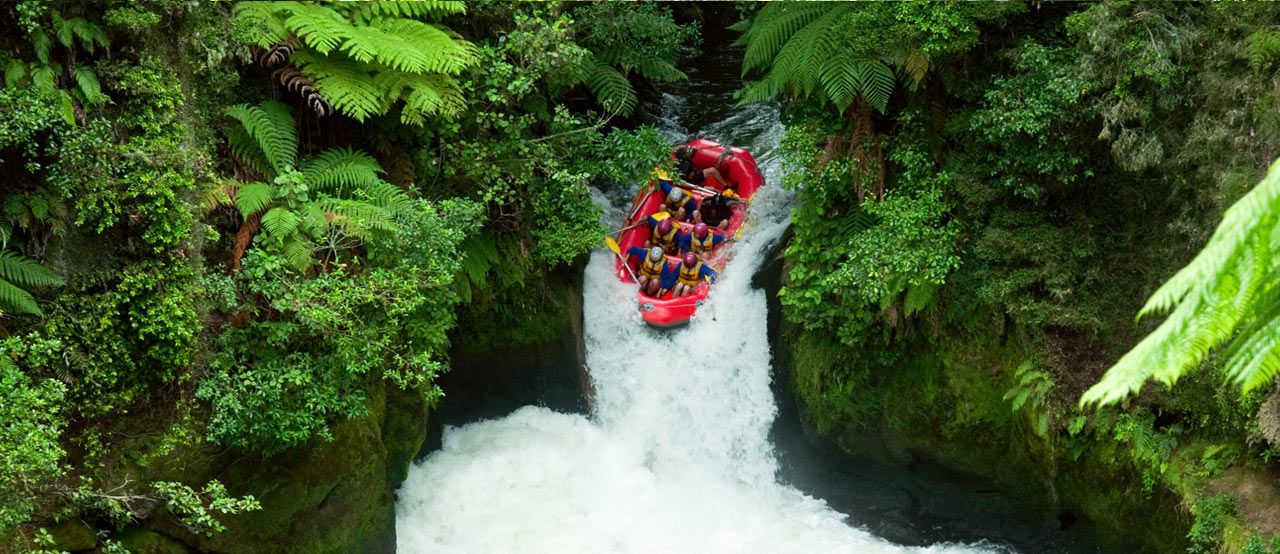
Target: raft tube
{"type": "Point", "coordinates": [740, 169]}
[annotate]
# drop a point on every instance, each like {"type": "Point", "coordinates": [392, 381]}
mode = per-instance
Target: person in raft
{"type": "Point", "coordinates": [691, 274]}
{"type": "Point", "coordinates": [680, 204]}
{"type": "Point", "coordinates": [716, 210]}
{"type": "Point", "coordinates": [655, 275]}
{"type": "Point", "coordinates": [691, 173]}
{"type": "Point", "coordinates": [664, 233]}
{"type": "Point", "coordinates": [701, 241]}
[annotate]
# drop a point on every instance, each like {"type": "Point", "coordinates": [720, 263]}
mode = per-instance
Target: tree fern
{"type": "Point", "coordinates": [270, 125]}
{"type": "Point", "coordinates": [338, 189]}
{"type": "Point", "coordinates": [348, 49]}
{"type": "Point", "coordinates": [799, 50]}
{"type": "Point", "coordinates": [608, 85]}
{"type": "Point", "coordinates": [1232, 287]}
{"type": "Point", "coordinates": [16, 273]}
{"type": "Point", "coordinates": [628, 39]}
{"type": "Point", "coordinates": [341, 167]}
{"type": "Point", "coordinates": [1262, 47]}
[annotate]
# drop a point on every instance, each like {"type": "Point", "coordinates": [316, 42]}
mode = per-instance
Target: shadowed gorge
{"type": "Point", "coordinates": [332, 277]}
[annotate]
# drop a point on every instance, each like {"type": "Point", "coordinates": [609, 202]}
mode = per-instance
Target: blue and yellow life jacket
{"type": "Point", "coordinates": [651, 268]}
{"type": "Point", "coordinates": [699, 246]}
{"type": "Point", "coordinates": [667, 241]}
{"type": "Point", "coordinates": [690, 276]}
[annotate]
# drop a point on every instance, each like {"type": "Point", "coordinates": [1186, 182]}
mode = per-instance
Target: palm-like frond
{"type": "Point", "coordinates": [345, 83]}
{"type": "Point", "coordinates": [773, 26]}
{"type": "Point", "coordinates": [16, 272]}
{"type": "Point", "coordinates": [366, 11]}
{"type": "Point", "coordinates": [1230, 288]}
{"type": "Point", "coordinates": [260, 23]}
{"type": "Point", "coordinates": [270, 124]}
{"type": "Point", "coordinates": [363, 58]}
{"type": "Point", "coordinates": [280, 222]}
{"type": "Point", "coordinates": [25, 271]}
{"type": "Point", "coordinates": [341, 169]}
{"type": "Point", "coordinates": [17, 301]}
{"type": "Point", "coordinates": [254, 197]}
{"type": "Point", "coordinates": [610, 87]}
{"type": "Point", "coordinates": [797, 46]}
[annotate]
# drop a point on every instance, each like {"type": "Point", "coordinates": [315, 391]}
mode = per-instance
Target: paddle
{"type": "Point", "coordinates": [693, 187]}
{"type": "Point", "coordinates": [626, 228]}
{"type": "Point", "coordinates": [617, 251]}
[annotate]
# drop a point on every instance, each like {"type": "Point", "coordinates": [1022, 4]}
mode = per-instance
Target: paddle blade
{"type": "Point", "coordinates": [613, 245]}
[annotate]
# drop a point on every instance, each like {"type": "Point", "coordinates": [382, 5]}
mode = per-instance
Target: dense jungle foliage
{"type": "Point", "coordinates": [229, 229]}
{"type": "Point", "coordinates": [987, 193]}
{"type": "Point", "coordinates": [227, 225]}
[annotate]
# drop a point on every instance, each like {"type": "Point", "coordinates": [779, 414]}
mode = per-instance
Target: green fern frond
{"type": "Point", "coordinates": [341, 169]}
{"type": "Point", "coordinates": [359, 218]}
{"type": "Point", "coordinates": [1228, 289]}
{"type": "Point", "coordinates": [1262, 47]}
{"type": "Point", "coordinates": [89, 86]}
{"type": "Point", "coordinates": [774, 25]}
{"type": "Point", "coordinates": [280, 222]}
{"type": "Point", "coordinates": [319, 26]}
{"type": "Point", "coordinates": [876, 84]}
{"type": "Point", "coordinates": [344, 83]}
{"type": "Point", "coordinates": [413, 9]}
{"type": "Point", "coordinates": [260, 23]}
{"type": "Point", "coordinates": [247, 152]}
{"type": "Point", "coordinates": [26, 272]}
{"type": "Point", "coordinates": [428, 95]}
{"type": "Point", "coordinates": [17, 301]}
{"type": "Point", "coordinates": [609, 86]}
{"type": "Point", "coordinates": [299, 251]}
{"type": "Point", "coordinates": [43, 46]}
{"type": "Point", "coordinates": [271, 126]}
{"type": "Point", "coordinates": [254, 197]}
{"type": "Point", "coordinates": [14, 73]}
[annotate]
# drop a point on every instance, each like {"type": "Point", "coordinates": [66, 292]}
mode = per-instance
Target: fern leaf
{"type": "Point", "coordinates": [42, 80]}
{"type": "Point", "coordinates": [43, 46]}
{"type": "Point", "coordinates": [773, 26]}
{"type": "Point", "coordinates": [62, 30]}
{"type": "Point", "coordinates": [344, 83]}
{"type": "Point", "coordinates": [260, 23]}
{"type": "Point", "coordinates": [280, 222]}
{"type": "Point", "coordinates": [319, 26]}
{"type": "Point", "coordinates": [341, 170]}
{"type": "Point", "coordinates": [254, 197]}
{"type": "Point", "coordinates": [26, 272]}
{"type": "Point", "coordinates": [1229, 287]}
{"type": "Point", "coordinates": [610, 87]}
{"type": "Point", "coordinates": [876, 84]}
{"type": "Point", "coordinates": [247, 152]}
{"type": "Point", "coordinates": [271, 126]}
{"type": "Point", "coordinates": [14, 73]}
{"type": "Point", "coordinates": [16, 300]}
{"type": "Point", "coordinates": [299, 252]}
{"type": "Point", "coordinates": [89, 86]}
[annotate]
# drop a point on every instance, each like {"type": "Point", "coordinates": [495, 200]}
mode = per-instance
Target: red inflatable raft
{"type": "Point", "coordinates": [739, 168]}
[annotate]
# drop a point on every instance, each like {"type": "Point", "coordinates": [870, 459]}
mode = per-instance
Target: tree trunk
{"type": "Point", "coordinates": [866, 151]}
{"type": "Point", "coordinates": [247, 230]}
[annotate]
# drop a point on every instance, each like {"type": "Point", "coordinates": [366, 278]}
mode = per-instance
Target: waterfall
{"type": "Point", "coordinates": [676, 457]}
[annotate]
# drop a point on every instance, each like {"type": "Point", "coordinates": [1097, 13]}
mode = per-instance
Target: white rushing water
{"type": "Point", "coordinates": [676, 458]}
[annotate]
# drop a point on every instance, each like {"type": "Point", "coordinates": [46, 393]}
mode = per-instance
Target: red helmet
{"type": "Point", "coordinates": [690, 259]}
{"type": "Point", "coordinates": [700, 230]}
{"type": "Point", "coordinates": [664, 226]}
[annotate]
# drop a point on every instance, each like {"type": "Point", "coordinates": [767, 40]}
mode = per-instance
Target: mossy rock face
{"type": "Point", "coordinates": [945, 408]}
{"type": "Point", "coordinates": [146, 541]}
{"type": "Point", "coordinates": [73, 535]}
{"type": "Point", "coordinates": [326, 497]}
